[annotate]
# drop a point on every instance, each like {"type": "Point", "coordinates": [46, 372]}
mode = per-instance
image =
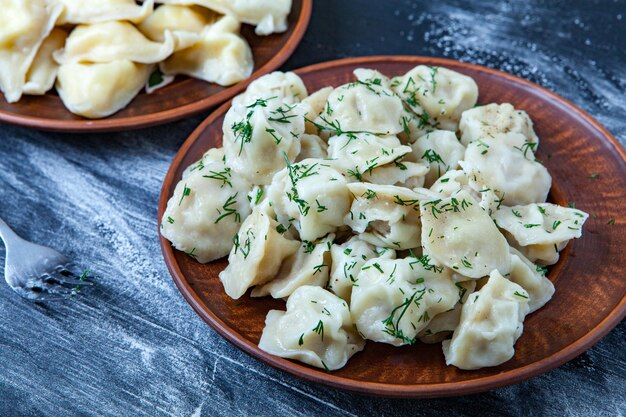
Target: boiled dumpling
{"type": "Point", "coordinates": [186, 23]}
{"type": "Point", "coordinates": [312, 146]}
{"type": "Point", "coordinates": [347, 260]}
{"type": "Point", "coordinates": [493, 119]}
{"type": "Point", "coordinates": [207, 208]}
{"type": "Point", "coordinates": [361, 107]}
{"type": "Point", "coordinates": [112, 41]}
{"type": "Point", "coordinates": [268, 16]}
{"type": "Point", "coordinates": [86, 11]}
{"type": "Point", "coordinates": [276, 89]}
{"type": "Point", "coordinates": [221, 55]}
{"type": "Point", "coordinates": [441, 149]}
{"type": "Point", "coordinates": [99, 90]}
{"type": "Point", "coordinates": [462, 236]}
{"type": "Point", "coordinates": [316, 329]}
{"type": "Point", "coordinates": [257, 254]}
{"type": "Point", "coordinates": [393, 300]}
{"type": "Point", "coordinates": [43, 71]}
{"type": "Point", "coordinates": [455, 181]}
{"type": "Point", "coordinates": [511, 173]}
{"type": "Point", "coordinates": [24, 25]}
{"type": "Point", "coordinates": [385, 215]}
{"type": "Point", "coordinates": [491, 321]}
{"type": "Point", "coordinates": [358, 153]}
{"type": "Point", "coordinates": [442, 94]}
{"type": "Point", "coordinates": [312, 196]}
{"type": "Point", "coordinates": [541, 230]}
{"type": "Point", "coordinates": [315, 105]}
{"type": "Point", "coordinates": [310, 265]}
{"type": "Point", "coordinates": [260, 138]}
{"type": "Point", "coordinates": [399, 173]}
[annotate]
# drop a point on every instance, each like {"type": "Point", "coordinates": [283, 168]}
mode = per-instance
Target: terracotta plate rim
{"type": "Point", "coordinates": [162, 117]}
{"type": "Point", "coordinates": [446, 389]}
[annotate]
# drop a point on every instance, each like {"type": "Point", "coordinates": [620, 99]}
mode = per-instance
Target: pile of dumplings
{"type": "Point", "coordinates": [393, 210]}
{"type": "Point", "coordinates": [100, 54]}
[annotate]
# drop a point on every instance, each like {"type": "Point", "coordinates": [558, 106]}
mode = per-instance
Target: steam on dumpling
{"type": "Point", "coordinates": [24, 25]}
{"type": "Point", "coordinates": [393, 300]}
{"type": "Point", "coordinates": [43, 71]}
{"type": "Point", "coordinates": [462, 236]}
{"type": "Point", "coordinates": [207, 208]}
{"type": "Point", "coordinates": [438, 94]}
{"type": "Point", "coordinates": [316, 329]}
{"type": "Point", "coordinates": [491, 321]}
{"type": "Point", "coordinates": [258, 251]}
{"type": "Point", "coordinates": [86, 11]}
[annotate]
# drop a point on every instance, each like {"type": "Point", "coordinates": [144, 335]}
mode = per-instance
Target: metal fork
{"type": "Point", "coordinates": [36, 272]}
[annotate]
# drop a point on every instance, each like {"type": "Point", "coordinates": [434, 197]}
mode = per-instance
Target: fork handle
{"type": "Point", "coordinates": [6, 233]}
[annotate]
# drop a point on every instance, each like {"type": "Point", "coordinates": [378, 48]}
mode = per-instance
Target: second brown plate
{"type": "Point", "coordinates": [588, 168]}
{"type": "Point", "coordinates": [184, 97]}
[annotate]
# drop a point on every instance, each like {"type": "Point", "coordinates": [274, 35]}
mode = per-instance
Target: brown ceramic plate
{"type": "Point", "coordinates": [182, 98]}
{"type": "Point", "coordinates": [589, 279]}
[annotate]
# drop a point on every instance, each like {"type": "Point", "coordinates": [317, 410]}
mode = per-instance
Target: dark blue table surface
{"type": "Point", "coordinates": [134, 347]}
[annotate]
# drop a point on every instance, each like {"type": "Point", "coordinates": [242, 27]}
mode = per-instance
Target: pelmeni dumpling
{"type": "Point", "coordinates": [461, 235]}
{"type": "Point", "coordinates": [312, 146]}
{"type": "Point", "coordinates": [541, 230]}
{"type": "Point", "coordinates": [43, 71]}
{"type": "Point", "coordinates": [257, 254]}
{"type": "Point", "coordinates": [455, 181]}
{"type": "Point", "coordinates": [316, 329]}
{"type": "Point", "coordinates": [361, 107]}
{"type": "Point", "coordinates": [85, 11]}
{"type": "Point", "coordinates": [372, 76]}
{"type": "Point", "coordinates": [315, 105]}
{"type": "Point", "coordinates": [491, 321]}
{"type": "Point", "coordinates": [532, 279]}
{"type": "Point", "coordinates": [221, 55]}
{"type": "Point", "coordinates": [268, 16]}
{"type": "Point", "coordinates": [357, 153]}
{"type": "Point", "coordinates": [310, 265]}
{"type": "Point", "coordinates": [111, 41]}
{"type": "Point", "coordinates": [207, 208]}
{"type": "Point", "coordinates": [24, 25]}
{"type": "Point", "coordinates": [395, 299]}
{"type": "Point", "coordinates": [513, 174]}
{"type": "Point", "coordinates": [441, 93]}
{"type": "Point", "coordinates": [443, 324]}
{"type": "Point", "coordinates": [277, 88]}
{"type": "Point", "coordinates": [99, 90]}
{"type": "Point", "coordinates": [441, 149]}
{"type": "Point", "coordinates": [385, 215]}
{"type": "Point", "coordinates": [347, 260]}
{"type": "Point", "coordinates": [186, 23]}
{"type": "Point", "coordinates": [493, 119]}
{"type": "Point", "coordinates": [414, 126]}
{"type": "Point", "coordinates": [312, 196]}
{"type": "Point", "coordinates": [259, 136]}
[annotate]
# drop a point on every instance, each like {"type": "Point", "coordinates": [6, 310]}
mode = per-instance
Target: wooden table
{"type": "Point", "coordinates": [133, 346]}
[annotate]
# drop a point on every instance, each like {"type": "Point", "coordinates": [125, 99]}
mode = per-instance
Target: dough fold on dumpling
{"type": "Point", "coordinates": [316, 329]}
{"type": "Point", "coordinates": [257, 254]}
{"type": "Point", "coordinates": [268, 16]}
{"type": "Point", "coordinates": [494, 119]}
{"type": "Point", "coordinates": [491, 321]}
{"type": "Point", "coordinates": [112, 41]}
{"type": "Point", "coordinates": [43, 71]}
{"type": "Point", "coordinates": [441, 149]}
{"type": "Point", "coordinates": [24, 25]}
{"type": "Point", "coordinates": [206, 210]}
{"type": "Point", "coordinates": [90, 11]}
